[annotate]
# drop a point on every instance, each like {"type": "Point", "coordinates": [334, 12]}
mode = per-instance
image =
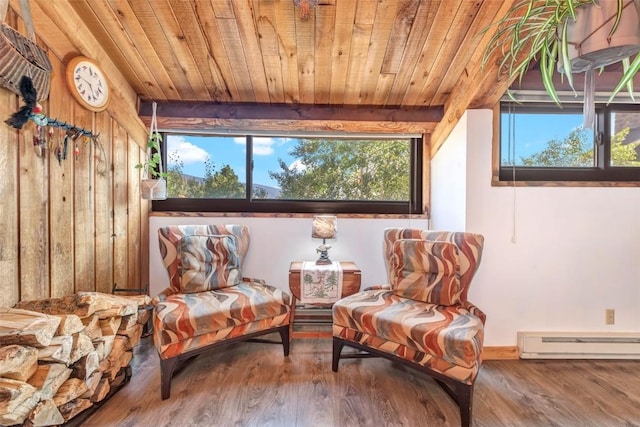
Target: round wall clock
{"type": "Point", "coordinates": [87, 83]}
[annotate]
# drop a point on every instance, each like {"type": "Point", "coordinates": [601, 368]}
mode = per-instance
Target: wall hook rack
{"type": "Point", "coordinates": [43, 120]}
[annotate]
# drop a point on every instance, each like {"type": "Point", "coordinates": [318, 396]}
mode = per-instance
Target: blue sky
{"type": "Point", "coordinates": [193, 150]}
{"type": "Point", "coordinates": [531, 136]}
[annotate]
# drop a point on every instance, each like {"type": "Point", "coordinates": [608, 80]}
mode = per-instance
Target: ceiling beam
{"type": "Point", "coordinates": [288, 117]}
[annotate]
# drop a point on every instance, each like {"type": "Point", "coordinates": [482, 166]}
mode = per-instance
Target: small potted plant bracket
{"type": "Point", "coordinates": [153, 185]}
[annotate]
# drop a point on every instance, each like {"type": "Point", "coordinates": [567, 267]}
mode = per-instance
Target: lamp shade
{"type": "Point", "coordinates": [324, 227]}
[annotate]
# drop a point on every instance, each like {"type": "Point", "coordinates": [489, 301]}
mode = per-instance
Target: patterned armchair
{"type": "Point", "coordinates": [209, 303]}
{"type": "Point", "coordinates": [422, 318]}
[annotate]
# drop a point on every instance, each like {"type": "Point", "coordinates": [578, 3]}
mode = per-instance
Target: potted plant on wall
{"type": "Point", "coordinates": [153, 185]}
{"type": "Point", "coordinates": [568, 36]}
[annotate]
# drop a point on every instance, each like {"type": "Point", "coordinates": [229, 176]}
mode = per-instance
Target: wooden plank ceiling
{"type": "Point", "coordinates": [385, 55]}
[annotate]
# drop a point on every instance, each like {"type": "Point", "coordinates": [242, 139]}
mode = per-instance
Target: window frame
{"type": "Point", "coordinates": [248, 205]}
{"type": "Point", "coordinates": [601, 172]}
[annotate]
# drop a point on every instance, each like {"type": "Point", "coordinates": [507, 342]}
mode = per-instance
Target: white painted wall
{"type": "Point", "coordinates": [555, 258]}
{"type": "Point", "coordinates": [449, 197]}
{"type": "Point", "coordinates": [275, 242]}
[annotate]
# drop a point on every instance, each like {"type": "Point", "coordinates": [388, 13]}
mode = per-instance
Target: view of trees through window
{"type": "Point", "coordinates": [285, 168]}
{"type": "Point", "coordinates": [548, 140]}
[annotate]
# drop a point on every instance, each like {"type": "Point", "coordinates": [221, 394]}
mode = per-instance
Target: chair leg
{"type": "Point", "coordinates": [338, 344]}
{"type": "Point", "coordinates": [465, 401]}
{"type": "Point", "coordinates": [284, 336]}
{"type": "Point", "coordinates": [166, 372]}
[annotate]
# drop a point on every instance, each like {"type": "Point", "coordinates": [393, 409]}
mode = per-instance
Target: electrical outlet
{"type": "Point", "coordinates": [609, 316]}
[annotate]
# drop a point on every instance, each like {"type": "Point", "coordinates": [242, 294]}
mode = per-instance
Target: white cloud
{"type": "Point", "coordinates": [178, 147]}
{"type": "Point", "coordinates": [263, 147]}
{"type": "Point", "coordinates": [297, 166]}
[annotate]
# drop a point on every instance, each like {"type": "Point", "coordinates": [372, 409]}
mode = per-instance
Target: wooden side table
{"type": "Point", "coordinates": [351, 280]}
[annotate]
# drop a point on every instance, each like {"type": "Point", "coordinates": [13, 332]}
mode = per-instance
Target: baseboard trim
{"type": "Point", "coordinates": [500, 353]}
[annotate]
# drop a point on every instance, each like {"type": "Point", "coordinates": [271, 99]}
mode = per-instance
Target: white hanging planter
{"type": "Point", "coordinates": [153, 185]}
{"type": "Point", "coordinates": [588, 35]}
{"type": "Point", "coordinates": [153, 189]}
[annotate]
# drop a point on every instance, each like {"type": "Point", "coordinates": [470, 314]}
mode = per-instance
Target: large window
{"type": "Point", "coordinates": [256, 173]}
{"type": "Point", "coordinates": [545, 143]}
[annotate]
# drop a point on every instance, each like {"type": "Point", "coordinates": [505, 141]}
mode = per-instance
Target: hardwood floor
{"type": "Point", "coordinates": [252, 384]}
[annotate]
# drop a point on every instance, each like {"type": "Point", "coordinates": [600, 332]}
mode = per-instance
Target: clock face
{"type": "Point", "coordinates": [88, 84]}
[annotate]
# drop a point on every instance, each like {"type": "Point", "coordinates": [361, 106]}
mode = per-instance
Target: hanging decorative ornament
{"type": "Point", "coordinates": [305, 7]}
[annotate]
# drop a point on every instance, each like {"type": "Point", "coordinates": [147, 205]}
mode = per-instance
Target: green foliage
{"type": "Point", "coordinates": [624, 154]}
{"type": "Point", "coordinates": [534, 31]}
{"type": "Point", "coordinates": [152, 166]}
{"type": "Point", "coordinates": [346, 170]}
{"type": "Point", "coordinates": [333, 170]}
{"type": "Point", "coordinates": [577, 151]}
{"type": "Point", "coordinates": [223, 183]}
{"type": "Point", "coordinates": [574, 151]}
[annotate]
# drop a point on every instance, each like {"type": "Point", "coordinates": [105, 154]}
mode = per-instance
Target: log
{"type": "Point", "coordinates": [24, 327]}
{"type": "Point", "coordinates": [108, 341]}
{"type": "Point", "coordinates": [115, 305]}
{"type": "Point", "coordinates": [120, 378]}
{"type": "Point", "coordinates": [101, 391]}
{"type": "Point", "coordinates": [70, 390]}
{"type": "Point", "coordinates": [48, 378]}
{"type": "Point", "coordinates": [92, 326]}
{"type": "Point", "coordinates": [133, 335]}
{"type": "Point", "coordinates": [82, 304]}
{"type": "Point", "coordinates": [128, 322]}
{"type": "Point", "coordinates": [45, 413]}
{"type": "Point", "coordinates": [59, 350]}
{"type": "Point", "coordinates": [125, 359]}
{"type": "Point", "coordinates": [99, 349]}
{"type": "Point", "coordinates": [17, 400]}
{"type": "Point", "coordinates": [140, 300]}
{"type": "Point", "coordinates": [85, 366]}
{"type": "Point", "coordinates": [104, 365]}
{"type": "Point", "coordinates": [92, 384]}
{"type": "Point", "coordinates": [143, 315]}
{"type": "Point", "coordinates": [117, 365]}
{"type": "Point", "coordinates": [69, 324]}
{"type": "Point", "coordinates": [110, 325]}
{"type": "Point", "coordinates": [120, 345]}
{"type": "Point", "coordinates": [18, 362]}
{"type": "Point", "coordinates": [82, 345]}
{"type": "Point", "coordinates": [74, 407]}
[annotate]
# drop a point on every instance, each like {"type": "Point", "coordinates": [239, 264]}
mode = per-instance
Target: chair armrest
{"type": "Point", "coordinates": [162, 296]}
{"type": "Point", "coordinates": [474, 310]}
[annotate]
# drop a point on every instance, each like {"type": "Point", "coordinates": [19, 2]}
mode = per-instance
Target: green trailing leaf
{"type": "Point", "coordinates": [566, 60]}
{"type": "Point", "coordinates": [154, 159]}
{"type": "Point", "coordinates": [626, 64]}
{"type": "Point", "coordinates": [633, 69]}
{"type": "Point", "coordinates": [531, 30]}
{"type": "Point", "coordinates": [547, 68]}
{"type": "Point", "coordinates": [616, 22]}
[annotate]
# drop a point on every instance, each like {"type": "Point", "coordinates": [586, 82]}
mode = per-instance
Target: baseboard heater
{"type": "Point", "coordinates": [579, 345]}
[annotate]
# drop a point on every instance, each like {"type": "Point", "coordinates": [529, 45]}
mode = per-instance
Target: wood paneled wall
{"type": "Point", "coordinates": [74, 225]}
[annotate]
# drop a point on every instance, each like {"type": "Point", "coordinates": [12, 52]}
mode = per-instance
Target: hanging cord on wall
{"type": "Point", "coordinates": [101, 156]}
{"type": "Point", "coordinates": [512, 158]}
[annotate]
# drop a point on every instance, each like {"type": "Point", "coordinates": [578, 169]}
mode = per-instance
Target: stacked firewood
{"type": "Point", "coordinates": [61, 356]}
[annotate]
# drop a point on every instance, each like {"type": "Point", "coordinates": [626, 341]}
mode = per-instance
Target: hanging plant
{"type": "Point", "coordinates": [153, 186]}
{"type": "Point", "coordinates": [549, 31]}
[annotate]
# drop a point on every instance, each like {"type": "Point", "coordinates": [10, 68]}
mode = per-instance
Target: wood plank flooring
{"type": "Point", "coordinates": [251, 384]}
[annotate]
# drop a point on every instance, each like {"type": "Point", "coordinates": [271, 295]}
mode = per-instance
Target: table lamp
{"type": "Point", "coordinates": [324, 227]}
